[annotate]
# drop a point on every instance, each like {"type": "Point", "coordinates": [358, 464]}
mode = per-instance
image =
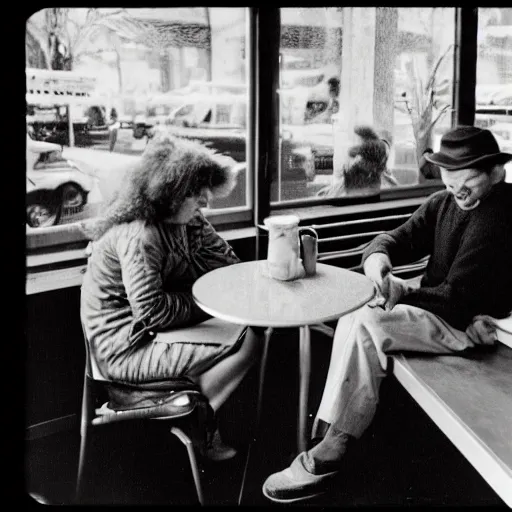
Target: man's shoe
{"type": "Point", "coordinates": [296, 483]}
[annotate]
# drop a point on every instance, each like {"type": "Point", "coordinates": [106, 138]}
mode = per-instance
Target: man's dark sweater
{"type": "Point", "coordinates": [469, 271]}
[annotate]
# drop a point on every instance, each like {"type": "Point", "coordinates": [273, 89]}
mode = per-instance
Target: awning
{"type": "Point", "coordinates": [49, 100]}
{"type": "Point", "coordinates": [182, 15]}
{"type": "Point", "coordinates": [169, 31]}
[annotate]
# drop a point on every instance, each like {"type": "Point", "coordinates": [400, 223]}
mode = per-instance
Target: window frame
{"type": "Point", "coordinates": [464, 71]}
{"type": "Point", "coordinates": [262, 53]}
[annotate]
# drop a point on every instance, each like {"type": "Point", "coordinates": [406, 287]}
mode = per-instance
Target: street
{"type": "Point", "coordinates": [109, 168]}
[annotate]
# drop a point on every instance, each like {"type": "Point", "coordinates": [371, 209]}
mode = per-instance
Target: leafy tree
{"type": "Point", "coordinates": [63, 40]}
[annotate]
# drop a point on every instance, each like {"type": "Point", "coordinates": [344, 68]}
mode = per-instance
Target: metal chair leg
{"type": "Point", "coordinates": [81, 466]}
{"type": "Point", "coordinates": [259, 407]}
{"type": "Point", "coordinates": [263, 367]}
{"type": "Point", "coordinates": [324, 329]}
{"type": "Point", "coordinates": [84, 434]}
{"type": "Point", "coordinates": [193, 461]}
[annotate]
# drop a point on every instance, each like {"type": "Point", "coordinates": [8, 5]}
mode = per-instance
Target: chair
{"type": "Point", "coordinates": [177, 401]}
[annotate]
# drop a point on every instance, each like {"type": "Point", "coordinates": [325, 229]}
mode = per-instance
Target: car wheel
{"type": "Point", "coordinates": [43, 211]}
{"type": "Point", "coordinates": [72, 196]}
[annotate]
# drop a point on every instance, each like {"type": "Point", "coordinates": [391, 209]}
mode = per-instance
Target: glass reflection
{"type": "Point", "coordinates": [102, 81]}
{"type": "Point", "coordinates": [389, 70]}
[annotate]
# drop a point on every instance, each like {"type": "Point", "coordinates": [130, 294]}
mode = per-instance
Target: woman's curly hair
{"type": "Point", "coordinates": [170, 170]}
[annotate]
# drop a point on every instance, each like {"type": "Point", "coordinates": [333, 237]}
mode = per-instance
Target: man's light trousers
{"type": "Point", "coordinates": [358, 360]}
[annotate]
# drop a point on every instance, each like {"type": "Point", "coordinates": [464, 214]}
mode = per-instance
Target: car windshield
{"type": "Point", "coordinates": [49, 157]}
{"type": "Point", "coordinates": [184, 112]}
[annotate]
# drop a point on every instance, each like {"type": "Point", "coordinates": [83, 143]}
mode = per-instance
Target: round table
{"type": "Point", "coordinates": [244, 294]}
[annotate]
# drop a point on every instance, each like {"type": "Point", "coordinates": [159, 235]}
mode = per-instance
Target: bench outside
{"type": "Point", "coordinates": [470, 400]}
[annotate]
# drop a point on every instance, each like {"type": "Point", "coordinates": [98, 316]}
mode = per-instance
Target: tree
{"type": "Point", "coordinates": [58, 38]}
{"type": "Point", "coordinates": [424, 109]}
{"type": "Point", "coordinates": [64, 39]}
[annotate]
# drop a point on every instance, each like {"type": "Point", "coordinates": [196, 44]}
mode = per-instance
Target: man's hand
{"type": "Point", "coordinates": [482, 330]}
{"type": "Point", "coordinates": [389, 292]}
{"type": "Point", "coordinates": [376, 267]}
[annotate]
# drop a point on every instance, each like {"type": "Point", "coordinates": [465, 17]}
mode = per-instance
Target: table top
{"type": "Point", "coordinates": [244, 294]}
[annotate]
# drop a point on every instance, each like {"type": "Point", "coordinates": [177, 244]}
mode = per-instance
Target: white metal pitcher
{"type": "Point", "coordinates": [292, 250]}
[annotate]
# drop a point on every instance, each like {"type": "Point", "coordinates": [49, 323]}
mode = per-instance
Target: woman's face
{"type": "Point", "coordinates": [191, 206]}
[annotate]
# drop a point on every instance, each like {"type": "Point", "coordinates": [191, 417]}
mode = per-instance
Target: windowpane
{"type": "Point", "coordinates": [117, 76]}
{"type": "Point", "coordinates": [494, 76]}
{"type": "Point", "coordinates": [388, 68]}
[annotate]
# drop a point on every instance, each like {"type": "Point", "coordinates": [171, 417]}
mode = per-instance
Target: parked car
{"type": "Point", "coordinates": [155, 109]}
{"type": "Point", "coordinates": [50, 124]}
{"type": "Point", "coordinates": [496, 94]}
{"type": "Point", "coordinates": [55, 185]}
{"type": "Point", "coordinates": [220, 122]}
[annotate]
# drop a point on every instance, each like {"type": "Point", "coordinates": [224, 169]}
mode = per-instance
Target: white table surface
{"type": "Point", "coordinates": [244, 294]}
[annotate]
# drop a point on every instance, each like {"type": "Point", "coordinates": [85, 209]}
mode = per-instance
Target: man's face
{"type": "Point", "coordinates": [468, 186]}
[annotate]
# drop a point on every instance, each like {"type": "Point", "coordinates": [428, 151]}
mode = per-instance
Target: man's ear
{"type": "Point", "coordinates": [497, 174]}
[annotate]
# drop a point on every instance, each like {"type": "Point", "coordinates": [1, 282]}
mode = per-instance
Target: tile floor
{"type": "Point", "coordinates": [402, 459]}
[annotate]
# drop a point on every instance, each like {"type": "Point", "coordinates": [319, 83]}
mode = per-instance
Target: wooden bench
{"type": "Point", "coordinates": [470, 400]}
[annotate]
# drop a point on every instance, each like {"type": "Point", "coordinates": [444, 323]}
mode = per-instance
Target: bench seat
{"type": "Point", "coordinates": [470, 400]}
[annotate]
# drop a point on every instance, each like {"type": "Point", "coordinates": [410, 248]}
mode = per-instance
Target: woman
{"type": "Point", "coordinates": [148, 248]}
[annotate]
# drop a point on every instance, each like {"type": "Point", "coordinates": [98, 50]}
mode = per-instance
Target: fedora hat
{"type": "Point", "coordinates": [468, 146]}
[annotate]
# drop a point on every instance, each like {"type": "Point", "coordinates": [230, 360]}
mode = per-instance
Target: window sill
{"type": "Point", "coordinates": [53, 270]}
{"type": "Point", "coordinates": [63, 267]}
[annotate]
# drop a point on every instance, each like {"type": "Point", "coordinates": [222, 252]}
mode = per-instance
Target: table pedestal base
{"type": "Point", "coordinates": [304, 375]}
{"type": "Point", "coordinates": [305, 371]}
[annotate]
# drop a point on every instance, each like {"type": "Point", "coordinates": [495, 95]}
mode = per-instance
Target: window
{"type": "Point", "coordinates": [494, 76]}
{"type": "Point", "coordinates": [112, 77]}
{"type": "Point", "coordinates": [388, 68]}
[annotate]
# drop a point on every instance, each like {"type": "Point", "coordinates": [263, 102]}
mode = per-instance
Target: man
{"type": "Point", "coordinates": [333, 106]}
{"type": "Point", "coordinates": [467, 232]}
{"type": "Point", "coordinates": [113, 129]}
{"type": "Point", "coordinates": [314, 114]}
{"type": "Point", "coordinates": [365, 170]}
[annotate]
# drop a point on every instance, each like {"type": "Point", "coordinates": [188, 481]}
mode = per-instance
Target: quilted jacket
{"type": "Point", "coordinates": [138, 281]}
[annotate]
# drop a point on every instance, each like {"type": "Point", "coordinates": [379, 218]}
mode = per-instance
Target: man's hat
{"type": "Point", "coordinates": [468, 146]}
